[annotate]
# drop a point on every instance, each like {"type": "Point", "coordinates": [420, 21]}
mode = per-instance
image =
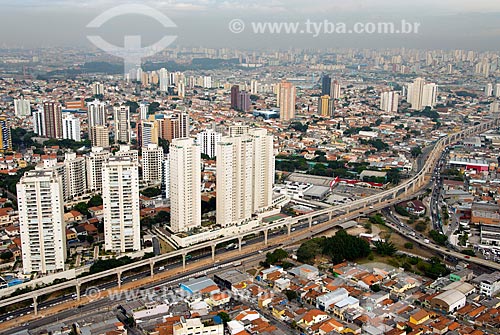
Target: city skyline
{"type": "Point", "coordinates": [452, 24]}
{"type": "Point", "coordinates": [250, 167]}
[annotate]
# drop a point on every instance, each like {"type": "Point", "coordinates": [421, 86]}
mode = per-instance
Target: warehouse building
{"type": "Point", "coordinates": [449, 301]}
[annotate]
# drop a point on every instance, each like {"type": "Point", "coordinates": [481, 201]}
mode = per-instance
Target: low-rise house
{"type": "Point", "coordinates": [311, 318]}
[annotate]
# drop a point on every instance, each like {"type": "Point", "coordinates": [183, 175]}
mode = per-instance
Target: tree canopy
{"type": "Point", "coordinates": [339, 247]}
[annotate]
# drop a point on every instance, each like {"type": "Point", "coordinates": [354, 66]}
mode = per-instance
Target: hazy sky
{"type": "Point", "coordinates": [463, 24]}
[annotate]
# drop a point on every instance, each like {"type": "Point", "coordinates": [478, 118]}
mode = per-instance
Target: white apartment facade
{"type": "Point", "coordinates": [245, 176]}
{"type": "Point", "coordinates": [125, 151]}
{"type": "Point", "coordinates": [263, 169]}
{"type": "Point", "coordinates": [96, 112]}
{"type": "Point", "coordinates": [71, 128]}
{"type": "Point", "coordinates": [76, 178]}
{"type": "Point", "coordinates": [152, 158]}
{"type": "Point", "coordinates": [43, 232]}
{"type": "Point", "coordinates": [185, 184]}
{"type": "Point", "coordinates": [120, 184]}
{"type": "Point", "coordinates": [122, 124]}
{"type": "Point", "coordinates": [389, 102]}
{"type": "Point", "coordinates": [208, 141]}
{"type": "Point", "coordinates": [234, 173]}
{"type": "Point", "coordinates": [22, 107]}
{"type": "Point", "coordinates": [422, 94]}
{"type": "Point", "coordinates": [95, 161]}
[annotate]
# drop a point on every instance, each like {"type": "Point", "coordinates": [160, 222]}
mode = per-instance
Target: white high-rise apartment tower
{"type": "Point", "coordinates": [71, 128]}
{"type": "Point", "coordinates": [122, 124]}
{"type": "Point", "coordinates": [76, 178]}
{"type": "Point", "coordinates": [148, 133]}
{"type": "Point", "coordinates": [152, 159]}
{"type": "Point", "coordinates": [429, 95]}
{"type": "Point", "coordinates": [165, 178]}
{"type": "Point", "coordinates": [234, 180]}
{"type": "Point", "coordinates": [488, 90]}
{"type": "Point", "coordinates": [41, 221]}
{"type": "Point", "coordinates": [207, 82]}
{"type": "Point", "coordinates": [185, 184]}
{"type": "Point", "coordinates": [120, 194]}
{"type": "Point", "coordinates": [415, 91]}
{"type": "Point", "coordinates": [245, 176]}
{"type": "Point", "coordinates": [95, 161]}
{"type": "Point", "coordinates": [497, 90]}
{"type": "Point", "coordinates": [22, 107]}
{"type": "Point", "coordinates": [254, 87]}
{"type": "Point", "coordinates": [60, 169]}
{"type": "Point", "coordinates": [39, 122]}
{"type": "Point", "coordinates": [97, 88]}
{"type": "Point", "coordinates": [143, 110]}
{"type": "Point", "coordinates": [96, 111]}
{"type": "Point", "coordinates": [422, 95]}
{"type": "Point", "coordinates": [208, 140]}
{"type": "Point", "coordinates": [181, 89]}
{"type": "Point", "coordinates": [335, 89]}
{"type": "Point", "coordinates": [164, 79]}
{"type": "Point", "coordinates": [389, 101]}
{"type": "Point", "coordinates": [263, 169]}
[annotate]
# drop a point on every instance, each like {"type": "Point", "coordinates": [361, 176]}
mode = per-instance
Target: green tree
{"type": "Point", "coordinates": [164, 145]}
{"type": "Point", "coordinates": [83, 208]}
{"type": "Point", "coordinates": [309, 250]}
{"type": "Point", "coordinates": [162, 217]}
{"type": "Point", "coordinates": [408, 245]}
{"type": "Point", "coordinates": [291, 295]}
{"type": "Point", "coordinates": [95, 201]}
{"type": "Point", "coordinates": [394, 176]}
{"type": "Point", "coordinates": [6, 255]}
{"type": "Point", "coordinates": [377, 219]}
{"type": "Point", "coordinates": [420, 227]}
{"type": "Point", "coordinates": [153, 107]}
{"type": "Point", "coordinates": [298, 126]}
{"type": "Point", "coordinates": [416, 151]}
{"type": "Point", "coordinates": [439, 238]}
{"type": "Point", "coordinates": [208, 206]}
{"type": "Point", "coordinates": [151, 192]}
{"type": "Point", "coordinates": [276, 256]}
{"type": "Point", "coordinates": [343, 246]}
{"type": "Point", "coordinates": [401, 210]}
{"type": "Point", "coordinates": [385, 248]}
